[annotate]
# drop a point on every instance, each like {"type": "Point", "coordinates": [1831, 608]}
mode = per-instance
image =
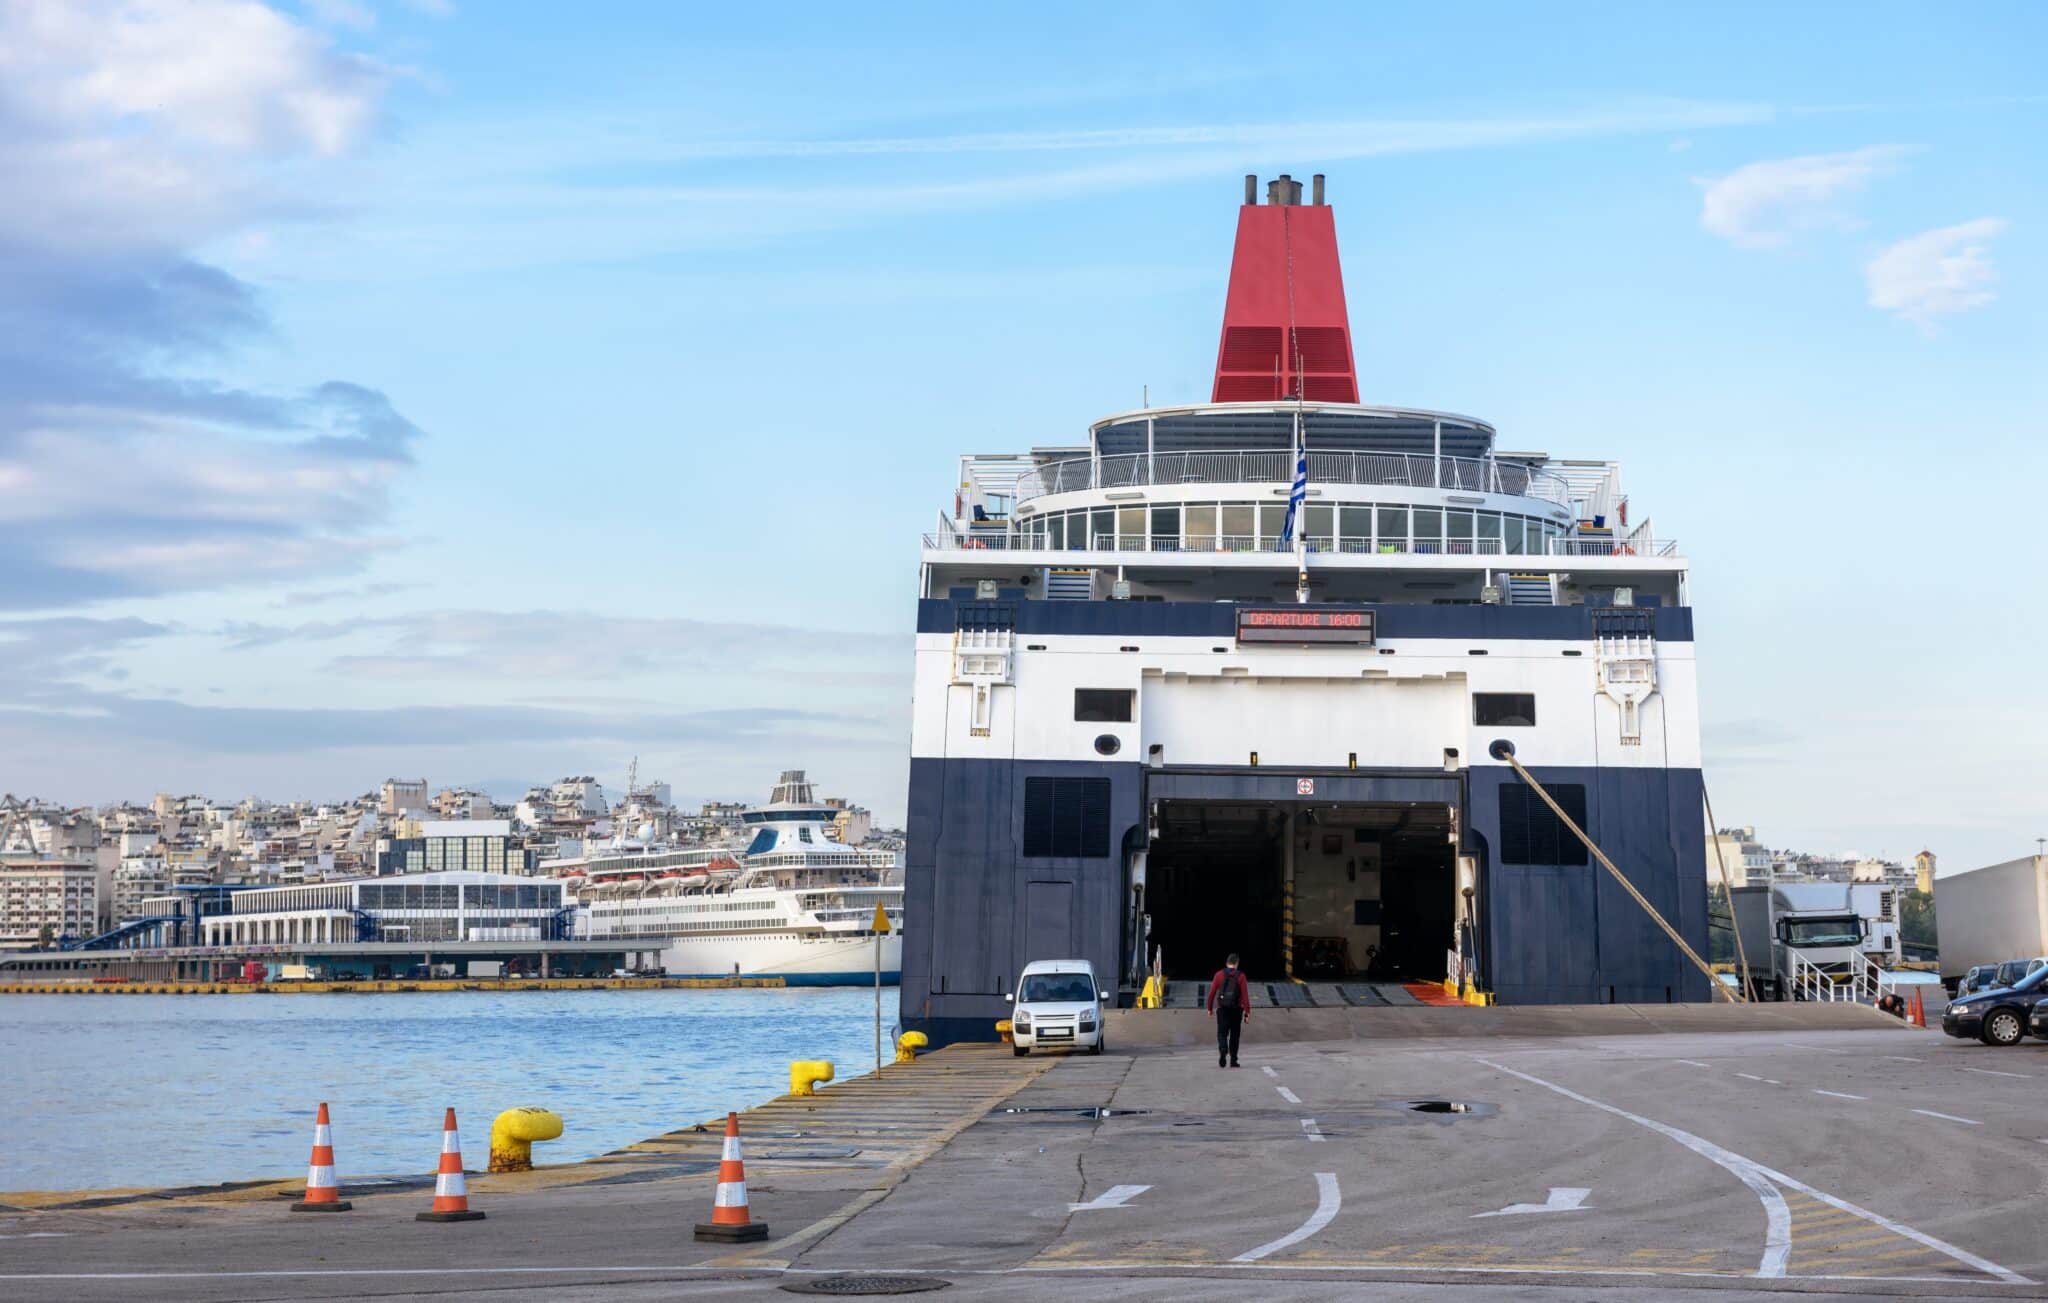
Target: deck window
{"type": "Point", "coordinates": [1429, 529]}
{"type": "Point", "coordinates": [1504, 709]}
{"type": "Point", "coordinates": [1103, 705]}
{"type": "Point", "coordinates": [1321, 525]}
{"type": "Point", "coordinates": [1272, 519]}
{"type": "Point", "coordinates": [1489, 533]}
{"type": "Point", "coordinates": [1393, 535]}
{"type": "Point", "coordinates": [1102, 524]}
{"type": "Point", "coordinates": [1130, 529]}
{"type": "Point", "coordinates": [1239, 527]}
{"type": "Point", "coordinates": [1201, 526]}
{"type": "Point", "coordinates": [1166, 529]}
{"type": "Point", "coordinates": [1354, 528]}
{"type": "Point", "coordinates": [1511, 535]}
{"type": "Point", "coordinates": [1459, 539]}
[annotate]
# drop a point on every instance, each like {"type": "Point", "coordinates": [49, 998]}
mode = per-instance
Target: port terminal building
{"type": "Point", "coordinates": [378, 927]}
{"type": "Point", "coordinates": [1223, 676]}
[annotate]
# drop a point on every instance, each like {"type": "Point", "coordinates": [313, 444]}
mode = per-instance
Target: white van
{"type": "Point", "coordinates": [1057, 1003]}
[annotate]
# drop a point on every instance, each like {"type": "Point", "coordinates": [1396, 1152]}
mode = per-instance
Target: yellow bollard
{"type": "Point", "coordinates": [807, 1073]}
{"type": "Point", "coordinates": [1003, 1031]}
{"type": "Point", "coordinates": [908, 1044]}
{"type": "Point", "coordinates": [513, 1134]}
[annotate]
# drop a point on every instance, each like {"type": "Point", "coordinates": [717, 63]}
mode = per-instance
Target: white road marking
{"type": "Point", "coordinates": [1777, 1217]}
{"type": "Point", "coordinates": [1268, 1070]}
{"type": "Point", "coordinates": [1328, 1200]}
{"type": "Point", "coordinates": [1839, 1095]}
{"type": "Point", "coordinates": [1993, 1072]}
{"type": "Point", "coordinates": [1308, 1126]}
{"type": "Point", "coordinates": [1563, 1199]}
{"type": "Point", "coordinates": [1779, 1235]}
{"type": "Point", "coordinates": [1693, 1063]}
{"type": "Point", "coordinates": [1288, 1095]}
{"type": "Point", "coordinates": [1947, 1117]}
{"type": "Point", "coordinates": [1117, 1196]}
{"type": "Point", "coordinates": [1898, 1058]}
{"type": "Point", "coordinates": [1768, 1081]}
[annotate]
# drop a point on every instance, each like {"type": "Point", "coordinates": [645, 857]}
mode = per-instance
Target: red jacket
{"type": "Point", "coordinates": [1244, 990]}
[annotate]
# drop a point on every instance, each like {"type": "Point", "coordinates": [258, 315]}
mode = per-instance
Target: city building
{"type": "Point", "coordinates": [1923, 871]}
{"type": "Point", "coordinates": [44, 900]}
{"type": "Point", "coordinates": [403, 797]}
{"type": "Point", "coordinates": [1747, 860]}
{"type": "Point", "coordinates": [472, 845]}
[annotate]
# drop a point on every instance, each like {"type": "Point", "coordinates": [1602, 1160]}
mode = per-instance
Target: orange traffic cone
{"type": "Point", "coordinates": [323, 1195]}
{"type": "Point", "coordinates": [730, 1223]}
{"type": "Point", "coordinates": [451, 1193]}
{"type": "Point", "coordinates": [1919, 1011]}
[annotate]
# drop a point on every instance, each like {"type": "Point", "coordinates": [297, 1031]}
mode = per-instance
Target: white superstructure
{"type": "Point", "coordinates": [791, 903]}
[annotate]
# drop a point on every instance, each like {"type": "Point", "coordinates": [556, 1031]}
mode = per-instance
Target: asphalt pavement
{"type": "Point", "coordinates": [1859, 1158]}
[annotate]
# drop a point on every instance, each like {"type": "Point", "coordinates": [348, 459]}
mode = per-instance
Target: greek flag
{"type": "Point", "coordinates": [1299, 493]}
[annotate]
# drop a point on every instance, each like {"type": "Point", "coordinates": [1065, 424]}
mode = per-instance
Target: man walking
{"type": "Point", "coordinates": [1230, 999]}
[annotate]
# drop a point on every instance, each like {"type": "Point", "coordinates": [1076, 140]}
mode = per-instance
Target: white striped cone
{"type": "Point", "coordinates": [323, 1192]}
{"type": "Point", "coordinates": [730, 1219]}
{"type": "Point", "coordinates": [451, 1192]}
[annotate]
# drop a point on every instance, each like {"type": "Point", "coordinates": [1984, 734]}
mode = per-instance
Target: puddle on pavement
{"type": "Point", "coordinates": [1093, 1113]}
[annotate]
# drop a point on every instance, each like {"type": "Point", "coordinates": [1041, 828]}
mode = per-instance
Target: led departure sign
{"type": "Point", "coordinates": [1303, 624]}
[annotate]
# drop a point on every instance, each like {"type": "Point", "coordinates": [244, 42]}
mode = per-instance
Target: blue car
{"type": "Point", "coordinates": [1998, 1017]}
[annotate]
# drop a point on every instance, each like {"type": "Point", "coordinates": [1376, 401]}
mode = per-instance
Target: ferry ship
{"type": "Point", "coordinates": [1224, 676]}
{"type": "Point", "coordinates": [792, 903]}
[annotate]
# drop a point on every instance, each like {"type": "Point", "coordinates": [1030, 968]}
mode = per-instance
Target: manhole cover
{"type": "Point", "coordinates": [1080, 1112]}
{"type": "Point", "coordinates": [848, 1285]}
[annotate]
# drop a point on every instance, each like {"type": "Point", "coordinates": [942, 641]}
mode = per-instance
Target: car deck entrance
{"type": "Point", "coordinates": [1373, 888]}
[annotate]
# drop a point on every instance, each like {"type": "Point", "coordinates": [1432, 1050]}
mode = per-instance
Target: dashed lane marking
{"type": "Point", "coordinates": [1309, 1128]}
{"type": "Point", "coordinates": [1993, 1072]}
{"type": "Point", "coordinates": [1267, 1069]}
{"type": "Point", "coordinates": [1947, 1117]}
{"type": "Point", "coordinates": [1288, 1095]}
{"type": "Point", "coordinates": [1328, 1200]}
{"type": "Point", "coordinates": [1765, 1182]}
{"type": "Point", "coordinates": [1768, 1081]}
{"type": "Point", "coordinates": [1693, 1063]}
{"type": "Point", "coordinates": [1837, 1094]}
{"type": "Point", "coordinates": [1898, 1058]}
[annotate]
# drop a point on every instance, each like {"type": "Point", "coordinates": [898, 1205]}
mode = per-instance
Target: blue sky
{"type": "Point", "coordinates": [501, 391]}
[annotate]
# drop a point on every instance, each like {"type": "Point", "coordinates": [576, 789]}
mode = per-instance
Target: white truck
{"type": "Point", "coordinates": [1991, 915]}
{"type": "Point", "coordinates": [1796, 934]}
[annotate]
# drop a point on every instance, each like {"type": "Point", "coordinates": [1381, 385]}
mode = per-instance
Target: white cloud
{"type": "Point", "coordinates": [1765, 204]}
{"type": "Point", "coordinates": [143, 122]}
{"type": "Point", "coordinates": [1936, 273]}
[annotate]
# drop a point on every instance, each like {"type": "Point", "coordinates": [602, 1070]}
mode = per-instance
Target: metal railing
{"type": "Point", "coordinates": [954, 540]}
{"type": "Point", "coordinates": [1416, 470]}
{"type": "Point", "coordinates": [1862, 982]}
{"type": "Point", "coordinates": [1613, 547]}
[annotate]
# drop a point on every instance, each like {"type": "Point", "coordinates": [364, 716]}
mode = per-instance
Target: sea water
{"type": "Point", "coordinates": [164, 1090]}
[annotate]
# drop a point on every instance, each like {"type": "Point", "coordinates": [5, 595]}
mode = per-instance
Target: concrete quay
{"type": "Point", "coordinates": [1604, 1153]}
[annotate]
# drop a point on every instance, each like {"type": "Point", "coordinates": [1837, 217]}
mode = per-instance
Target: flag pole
{"type": "Point", "coordinates": [1296, 508]}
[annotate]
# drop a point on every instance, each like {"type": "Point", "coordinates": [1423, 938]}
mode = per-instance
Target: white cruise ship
{"type": "Point", "coordinates": [793, 903]}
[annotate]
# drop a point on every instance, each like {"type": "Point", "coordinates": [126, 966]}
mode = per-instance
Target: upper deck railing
{"type": "Point", "coordinates": [1138, 470]}
{"type": "Point", "coordinates": [951, 539]}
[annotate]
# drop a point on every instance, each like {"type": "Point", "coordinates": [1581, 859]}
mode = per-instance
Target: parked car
{"type": "Point", "coordinates": [1057, 1003]}
{"type": "Point", "coordinates": [2012, 970]}
{"type": "Point", "coordinates": [1999, 1016]}
{"type": "Point", "coordinates": [1977, 979]}
{"type": "Point", "coordinates": [2038, 1025]}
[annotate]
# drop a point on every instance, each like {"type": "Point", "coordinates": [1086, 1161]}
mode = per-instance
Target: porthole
{"type": "Point", "coordinates": [1108, 744]}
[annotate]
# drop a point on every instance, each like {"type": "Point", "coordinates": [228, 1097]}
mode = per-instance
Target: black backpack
{"type": "Point", "coordinates": [1231, 993]}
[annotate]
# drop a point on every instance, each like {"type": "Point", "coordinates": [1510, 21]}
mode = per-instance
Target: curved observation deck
{"type": "Point", "coordinates": [1255, 467]}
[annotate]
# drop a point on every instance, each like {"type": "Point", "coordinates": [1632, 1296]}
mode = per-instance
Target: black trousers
{"type": "Point", "coordinates": [1229, 1022]}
